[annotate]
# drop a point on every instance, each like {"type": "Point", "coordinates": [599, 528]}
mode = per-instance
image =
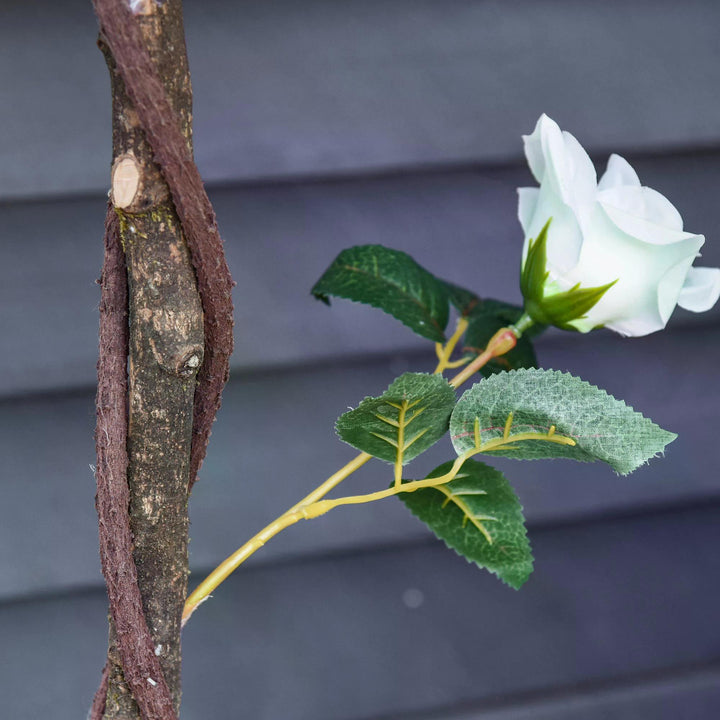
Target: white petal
{"type": "Point", "coordinates": [559, 166]}
{"type": "Point", "coordinates": [659, 210]}
{"type": "Point", "coordinates": [671, 285]}
{"type": "Point", "coordinates": [649, 277]}
{"type": "Point", "coordinates": [581, 175]}
{"type": "Point", "coordinates": [565, 239]}
{"type": "Point", "coordinates": [637, 326]}
{"type": "Point", "coordinates": [619, 173]}
{"type": "Point", "coordinates": [701, 289]}
{"type": "Point", "coordinates": [626, 210]}
{"type": "Point", "coordinates": [628, 199]}
{"type": "Point", "coordinates": [557, 158]}
{"type": "Point", "coordinates": [534, 147]}
{"type": "Point", "coordinates": [527, 204]}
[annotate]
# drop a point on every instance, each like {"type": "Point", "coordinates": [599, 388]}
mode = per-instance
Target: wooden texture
{"type": "Point", "coordinates": [620, 609]}
{"type": "Point", "coordinates": [287, 89]}
{"type": "Point", "coordinates": [279, 239]}
{"type": "Point", "coordinates": [166, 346]}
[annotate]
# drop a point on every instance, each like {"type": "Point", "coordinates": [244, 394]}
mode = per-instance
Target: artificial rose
{"type": "Point", "coordinates": [612, 232]}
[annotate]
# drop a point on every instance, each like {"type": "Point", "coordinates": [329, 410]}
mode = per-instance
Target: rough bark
{"type": "Point", "coordinates": [144, 86]}
{"type": "Point", "coordinates": [166, 350]}
{"type": "Point", "coordinates": [144, 45]}
{"type": "Point", "coordinates": [135, 645]}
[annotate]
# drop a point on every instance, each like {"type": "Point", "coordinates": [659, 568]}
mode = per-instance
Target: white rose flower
{"type": "Point", "coordinates": [616, 252]}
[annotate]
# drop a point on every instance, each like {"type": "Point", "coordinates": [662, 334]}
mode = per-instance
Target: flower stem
{"type": "Point", "coordinates": [323, 506]}
{"type": "Point", "coordinates": [524, 323]}
{"type": "Point", "coordinates": [312, 505]}
{"type": "Point", "coordinates": [501, 342]}
{"type": "Point", "coordinates": [445, 351]}
{"type": "Point", "coordinates": [295, 513]}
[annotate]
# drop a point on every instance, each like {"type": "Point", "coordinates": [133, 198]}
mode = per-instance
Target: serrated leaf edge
{"type": "Point", "coordinates": [544, 371]}
{"type": "Point", "coordinates": [402, 408]}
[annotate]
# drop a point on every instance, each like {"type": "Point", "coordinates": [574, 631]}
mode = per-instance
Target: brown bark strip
{"type": "Point", "coordinates": [163, 130]}
{"type": "Point", "coordinates": [134, 641]}
{"type": "Point", "coordinates": [98, 704]}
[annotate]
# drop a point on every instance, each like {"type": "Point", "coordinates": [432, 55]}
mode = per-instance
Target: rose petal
{"type": "Point", "coordinates": [534, 148]}
{"type": "Point", "coordinates": [619, 173]}
{"type": "Point", "coordinates": [556, 157]}
{"type": "Point", "coordinates": [559, 165]}
{"type": "Point", "coordinates": [527, 203]}
{"type": "Point", "coordinates": [616, 203]}
{"type": "Point", "coordinates": [565, 236]}
{"type": "Point", "coordinates": [659, 210]}
{"type": "Point", "coordinates": [671, 285]}
{"type": "Point", "coordinates": [644, 203]}
{"type": "Point", "coordinates": [646, 290]}
{"type": "Point", "coordinates": [581, 176]}
{"type": "Point", "coordinates": [637, 326]}
{"type": "Point", "coordinates": [701, 289]}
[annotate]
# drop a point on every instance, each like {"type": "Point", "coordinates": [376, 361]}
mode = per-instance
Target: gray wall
{"type": "Point", "coordinates": [318, 125]}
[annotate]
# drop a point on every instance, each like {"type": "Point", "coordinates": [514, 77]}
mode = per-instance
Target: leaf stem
{"type": "Point", "coordinates": [501, 342]}
{"type": "Point", "coordinates": [323, 506]}
{"type": "Point", "coordinates": [312, 505]}
{"type": "Point", "coordinates": [445, 351]}
{"type": "Point", "coordinates": [400, 443]}
{"type": "Point", "coordinates": [295, 513]}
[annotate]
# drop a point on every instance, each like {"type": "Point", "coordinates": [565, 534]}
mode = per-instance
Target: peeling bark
{"type": "Point", "coordinates": [166, 346]}
{"type": "Point", "coordinates": [158, 195]}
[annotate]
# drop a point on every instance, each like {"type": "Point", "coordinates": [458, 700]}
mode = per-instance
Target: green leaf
{"type": "Point", "coordinates": [407, 419]}
{"type": "Point", "coordinates": [392, 281]}
{"type": "Point", "coordinates": [478, 515]}
{"type": "Point", "coordinates": [485, 319]}
{"type": "Point", "coordinates": [464, 301]}
{"type": "Point", "coordinates": [602, 427]}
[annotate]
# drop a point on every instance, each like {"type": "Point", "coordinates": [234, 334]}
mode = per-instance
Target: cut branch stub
{"type": "Point", "coordinates": [125, 181]}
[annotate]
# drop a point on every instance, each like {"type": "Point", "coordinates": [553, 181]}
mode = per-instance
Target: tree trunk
{"type": "Point", "coordinates": [165, 352]}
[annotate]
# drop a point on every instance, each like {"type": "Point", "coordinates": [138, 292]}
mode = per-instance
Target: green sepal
{"type": "Point", "coordinates": [391, 281]}
{"type": "Point", "coordinates": [534, 271]}
{"type": "Point", "coordinates": [602, 427]}
{"type": "Point", "coordinates": [560, 309]}
{"type": "Point", "coordinates": [479, 516]}
{"type": "Point", "coordinates": [417, 404]}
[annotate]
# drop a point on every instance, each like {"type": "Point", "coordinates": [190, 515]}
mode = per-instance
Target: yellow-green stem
{"type": "Point", "coordinates": [323, 506]}
{"type": "Point", "coordinates": [295, 513]}
{"type": "Point", "coordinates": [503, 341]}
{"type": "Point", "coordinates": [445, 351]}
{"type": "Point", "coordinates": [310, 506]}
{"type": "Point", "coordinates": [402, 409]}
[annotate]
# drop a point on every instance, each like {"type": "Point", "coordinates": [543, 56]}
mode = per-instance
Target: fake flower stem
{"type": "Point", "coordinates": [445, 351]}
{"type": "Point", "coordinates": [503, 341]}
{"type": "Point", "coordinates": [295, 513]}
{"type": "Point", "coordinates": [323, 506]}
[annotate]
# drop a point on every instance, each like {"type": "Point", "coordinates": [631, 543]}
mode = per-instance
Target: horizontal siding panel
{"type": "Point", "coordinates": [286, 88]}
{"type": "Point", "coordinates": [338, 638]}
{"type": "Point", "coordinates": [274, 442]}
{"type": "Point", "coordinates": [280, 238]}
{"type": "Point", "coordinates": [690, 695]}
